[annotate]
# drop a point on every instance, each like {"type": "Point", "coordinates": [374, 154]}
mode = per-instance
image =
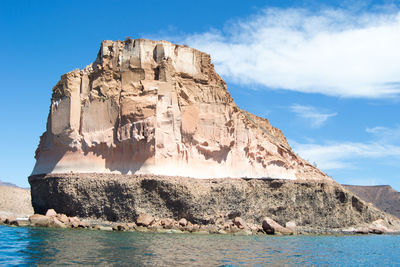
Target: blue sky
{"type": "Point", "coordinates": [325, 72]}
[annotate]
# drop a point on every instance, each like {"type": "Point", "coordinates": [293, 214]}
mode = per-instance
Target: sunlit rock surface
{"type": "Point", "coordinates": [152, 107]}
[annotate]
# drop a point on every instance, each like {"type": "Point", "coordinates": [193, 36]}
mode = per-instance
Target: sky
{"type": "Point", "coordinates": [325, 72]}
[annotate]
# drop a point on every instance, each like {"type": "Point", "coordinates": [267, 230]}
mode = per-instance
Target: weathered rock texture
{"type": "Point", "coordinates": [116, 197]}
{"type": "Point", "coordinates": [152, 107]}
{"type": "Point", "coordinates": [125, 133]}
{"type": "Point", "coordinates": [383, 197]}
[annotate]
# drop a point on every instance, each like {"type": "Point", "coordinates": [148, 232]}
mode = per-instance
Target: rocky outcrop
{"type": "Point", "coordinates": [271, 227]}
{"type": "Point", "coordinates": [152, 107]}
{"type": "Point", "coordinates": [123, 198]}
{"type": "Point", "coordinates": [125, 134]}
{"type": "Point", "coordinates": [383, 197]}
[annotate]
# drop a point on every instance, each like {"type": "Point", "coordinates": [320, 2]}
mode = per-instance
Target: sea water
{"type": "Point", "coordinates": [44, 246]}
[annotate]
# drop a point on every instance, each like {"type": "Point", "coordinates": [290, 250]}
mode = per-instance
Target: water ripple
{"type": "Point", "coordinates": [36, 246]}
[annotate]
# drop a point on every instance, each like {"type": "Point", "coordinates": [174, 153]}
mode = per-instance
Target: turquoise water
{"type": "Point", "coordinates": [41, 246]}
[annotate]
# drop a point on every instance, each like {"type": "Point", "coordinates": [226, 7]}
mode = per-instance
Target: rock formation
{"type": "Point", "coordinates": [152, 107]}
{"type": "Point", "coordinates": [128, 135]}
{"type": "Point", "coordinates": [313, 206]}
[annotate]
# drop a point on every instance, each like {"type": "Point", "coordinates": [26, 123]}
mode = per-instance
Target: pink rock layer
{"type": "Point", "coordinates": [152, 107]}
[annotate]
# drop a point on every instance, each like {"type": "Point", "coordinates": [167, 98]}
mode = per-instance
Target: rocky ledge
{"type": "Point", "coordinates": [249, 206]}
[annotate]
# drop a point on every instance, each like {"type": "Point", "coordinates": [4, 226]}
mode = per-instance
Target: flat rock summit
{"type": "Point", "coordinates": [150, 128]}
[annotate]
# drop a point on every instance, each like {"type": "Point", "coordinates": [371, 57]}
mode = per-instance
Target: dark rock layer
{"type": "Point", "coordinates": [122, 198]}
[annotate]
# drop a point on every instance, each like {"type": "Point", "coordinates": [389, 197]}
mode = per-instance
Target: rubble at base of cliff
{"type": "Point", "coordinates": [147, 223]}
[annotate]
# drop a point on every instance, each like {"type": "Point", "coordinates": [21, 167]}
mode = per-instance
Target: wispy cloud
{"type": "Point", "coordinates": [386, 134]}
{"type": "Point", "coordinates": [336, 155]}
{"type": "Point", "coordinates": [312, 114]}
{"type": "Point", "coordinates": [331, 52]}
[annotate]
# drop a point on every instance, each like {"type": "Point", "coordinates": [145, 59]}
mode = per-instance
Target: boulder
{"type": "Point", "coordinates": [10, 220]}
{"type": "Point", "coordinates": [63, 218]}
{"type": "Point", "coordinates": [222, 232]}
{"type": "Point", "coordinates": [362, 230]}
{"type": "Point", "coordinates": [40, 220]}
{"type": "Point", "coordinates": [83, 224]}
{"type": "Point", "coordinates": [57, 223]}
{"type": "Point", "coordinates": [195, 227]}
{"type": "Point", "coordinates": [131, 226]}
{"type": "Point", "coordinates": [74, 222]}
{"type": "Point", "coordinates": [167, 223]}
{"type": "Point", "coordinates": [376, 230]}
{"type": "Point", "coordinates": [144, 220]}
{"type": "Point", "coordinates": [378, 227]}
{"type": "Point", "coordinates": [183, 222]}
{"type": "Point", "coordinates": [210, 228]}
{"type": "Point", "coordinates": [291, 225]}
{"type": "Point", "coordinates": [271, 227]}
{"type": "Point", "coordinates": [23, 222]}
{"type": "Point", "coordinates": [51, 213]}
{"type": "Point", "coordinates": [254, 228]}
{"type": "Point", "coordinates": [188, 227]}
{"type": "Point", "coordinates": [226, 226]}
{"type": "Point", "coordinates": [239, 222]}
{"type": "Point", "coordinates": [121, 227]}
{"type": "Point", "coordinates": [155, 227]}
{"type": "Point", "coordinates": [234, 229]}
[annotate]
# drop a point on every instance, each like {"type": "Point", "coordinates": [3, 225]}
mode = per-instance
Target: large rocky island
{"type": "Point", "coordinates": [150, 128]}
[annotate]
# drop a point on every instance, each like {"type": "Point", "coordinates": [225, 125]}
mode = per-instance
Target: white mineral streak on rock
{"type": "Point", "coordinates": [152, 107]}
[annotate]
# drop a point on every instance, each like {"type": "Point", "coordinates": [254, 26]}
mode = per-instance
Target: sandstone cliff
{"type": "Point", "coordinates": [129, 133]}
{"type": "Point", "coordinates": [152, 107]}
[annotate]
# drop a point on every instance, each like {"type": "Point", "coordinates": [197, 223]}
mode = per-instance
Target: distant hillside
{"type": "Point", "coordinates": [7, 184]}
{"type": "Point", "coordinates": [383, 197]}
{"type": "Point", "coordinates": [15, 200]}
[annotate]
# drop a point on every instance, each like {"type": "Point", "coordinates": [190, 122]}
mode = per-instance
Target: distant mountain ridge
{"type": "Point", "coordinates": [14, 200]}
{"type": "Point", "coordinates": [8, 184]}
{"type": "Point", "coordinates": [383, 197]}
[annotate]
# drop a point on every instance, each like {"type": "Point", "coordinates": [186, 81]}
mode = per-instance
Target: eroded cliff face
{"type": "Point", "coordinates": [116, 197]}
{"type": "Point", "coordinates": [152, 107]}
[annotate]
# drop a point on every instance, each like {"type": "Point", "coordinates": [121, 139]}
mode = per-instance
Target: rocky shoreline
{"type": "Point", "coordinates": [313, 206]}
{"type": "Point", "coordinates": [147, 223]}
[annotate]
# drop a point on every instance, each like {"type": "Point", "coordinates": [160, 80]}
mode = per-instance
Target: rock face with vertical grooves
{"type": "Point", "coordinates": [152, 107]}
{"type": "Point", "coordinates": [134, 131]}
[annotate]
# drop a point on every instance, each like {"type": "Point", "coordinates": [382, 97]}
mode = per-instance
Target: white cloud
{"type": "Point", "coordinates": [331, 52]}
{"type": "Point", "coordinates": [315, 116]}
{"type": "Point", "coordinates": [335, 155]}
{"type": "Point", "coordinates": [386, 134]}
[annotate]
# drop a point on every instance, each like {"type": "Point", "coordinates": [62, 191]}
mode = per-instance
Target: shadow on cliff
{"type": "Point", "coordinates": [126, 157]}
